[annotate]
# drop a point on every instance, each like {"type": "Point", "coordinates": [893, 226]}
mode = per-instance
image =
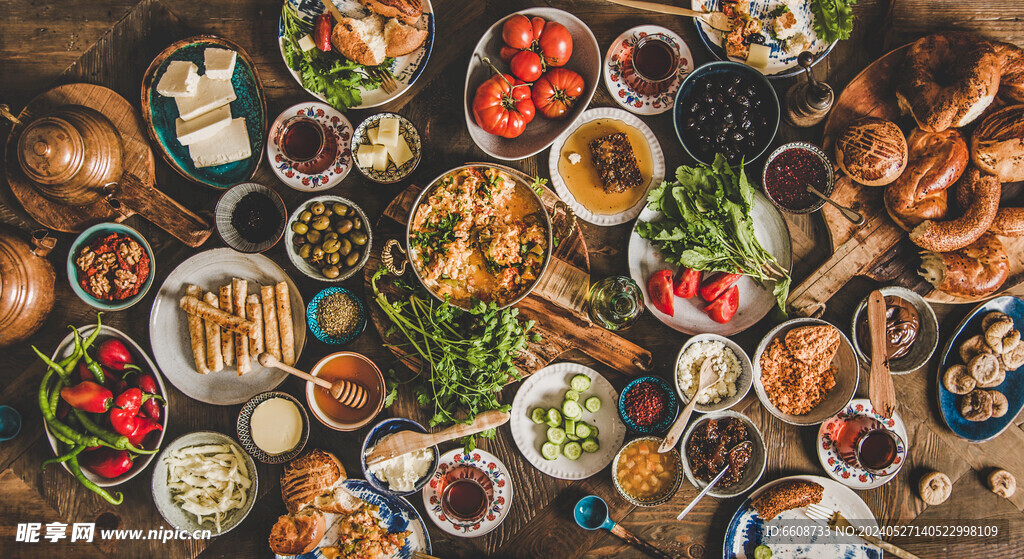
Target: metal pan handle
{"type": "Point", "coordinates": [387, 257]}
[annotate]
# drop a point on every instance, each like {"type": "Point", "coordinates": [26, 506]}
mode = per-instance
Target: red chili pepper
{"type": "Point", "coordinates": [322, 28]}
{"type": "Point", "coordinates": [715, 285]}
{"type": "Point", "coordinates": [106, 462]}
{"type": "Point", "coordinates": [113, 354]}
{"type": "Point", "coordinates": [143, 427]}
{"type": "Point", "coordinates": [88, 396]}
{"type": "Point", "coordinates": [723, 308]}
{"type": "Point", "coordinates": [659, 288]}
{"type": "Point", "coordinates": [687, 282]}
{"type": "Point", "coordinates": [126, 408]}
{"type": "Point", "coordinates": [63, 409]}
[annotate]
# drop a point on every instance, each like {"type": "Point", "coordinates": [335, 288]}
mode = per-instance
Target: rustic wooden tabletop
{"type": "Point", "coordinates": [114, 40]}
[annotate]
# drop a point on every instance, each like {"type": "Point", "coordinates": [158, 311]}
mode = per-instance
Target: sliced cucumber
{"type": "Point", "coordinates": [572, 437]}
{"type": "Point", "coordinates": [593, 404]}
{"type": "Point", "coordinates": [556, 435]}
{"type": "Point", "coordinates": [570, 427]}
{"type": "Point", "coordinates": [539, 415]}
{"type": "Point", "coordinates": [554, 417]}
{"type": "Point", "coordinates": [550, 451]}
{"type": "Point", "coordinates": [593, 430]}
{"type": "Point", "coordinates": [572, 450]}
{"type": "Point", "coordinates": [762, 552]}
{"type": "Point", "coordinates": [572, 410]}
{"type": "Point", "coordinates": [580, 383]}
{"type": "Point", "coordinates": [572, 395]}
{"type": "Point", "coordinates": [583, 430]}
{"type": "Point", "coordinates": [590, 445]}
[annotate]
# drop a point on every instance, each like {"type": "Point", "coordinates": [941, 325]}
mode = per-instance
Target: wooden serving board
{"type": "Point", "coordinates": [878, 249]}
{"type": "Point", "coordinates": [556, 303]}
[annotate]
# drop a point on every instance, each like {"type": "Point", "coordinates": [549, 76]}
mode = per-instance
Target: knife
{"type": "Point", "coordinates": [717, 20]}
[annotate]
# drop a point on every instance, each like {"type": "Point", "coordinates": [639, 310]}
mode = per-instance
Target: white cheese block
{"type": "Point", "coordinates": [380, 158]}
{"type": "Point", "coordinates": [306, 43]}
{"type": "Point", "coordinates": [400, 153]}
{"type": "Point", "coordinates": [371, 133]}
{"type": "Point", "coordinates": [202, 127]}
{"type": "Point", "coordinates": [364, 155]}
{"type": "Point", "coordinates": [387, 133]}
{"type": "Point", "coordinates": [226, 146]}
{"type": "Point", "coordinates": [181, 79]}
{"type": "Point", "coordinates": [209, 95]}
{"type": "Point", "coordinates": [758, 56]}
{"type": "Point", "coordinates": [220, 63]}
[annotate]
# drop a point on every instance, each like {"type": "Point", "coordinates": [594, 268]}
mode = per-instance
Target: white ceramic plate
{"type": "Point", "coordinates": [168, 326]}
{"type": "Point", "coordinates": [501, 492]}
{"type": "Point", "coordinates": [546, 388]}
{"type": "Point", "coordinates": [406, 68]}
{"type": "Point", "coordinates": [837, 468]}
{"type": "Point", "coordinates": [780, 64]}
{"type": "Point", "coordinates": [755, 300]}
{"type": "Point", "coordinates": [746, 529]}
{"type": "Point", "coordinates": [339, 169]}
{"type": "Point", "coordinates": [630, 99]}
{"type": "Point", "coordinates": [657, 175]}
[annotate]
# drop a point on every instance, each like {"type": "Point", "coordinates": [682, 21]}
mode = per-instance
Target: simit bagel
{"type": "Point", "coordinates": [1011, 62]}
{"type": "Point", "coordinates": [1009, 222]}
{"type": "Point", "coordinates": [982, 192]}
{"type": "Point", "coordinates": [937, 159]}
{"type": "Point", "coordinates": [948, 79]}
{"type": "Point", "coordinates": [973, 271]}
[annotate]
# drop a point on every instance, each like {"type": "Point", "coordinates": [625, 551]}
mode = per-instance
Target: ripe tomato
{"type": "Point", "coordinates": [555, 44]}
{"type": "Point", "coordinates": [517, 32]}
{"type": "Point", "coordinates": [527, 66]}
{"type": "Point", "coordinates": [503, 106]}
{"type": "Point", "coordinates": [722, 309]}
{"type": "Point", "coordinates": [556, 91]}
{"type": "Point", "coordinates": [659, 287]}
{"type": "Point", "coordinates": [716, 284]}
{"type": "Point", "coordinates": [550, 39]}
{"type": "Point", "coordinates": [687, 282]}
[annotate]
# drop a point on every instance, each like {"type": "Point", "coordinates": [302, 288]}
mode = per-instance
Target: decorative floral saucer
{"type": "Point", "coordinates": [284, 168]}
{"type": "Point", "coordinates": [621, 51]}
{"type": "Point", "coordinates": [836, 467]}
{"type": "Point", "coordinates": [501, 492]}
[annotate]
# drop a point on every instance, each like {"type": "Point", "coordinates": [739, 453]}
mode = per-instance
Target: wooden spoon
{"type": "Point", "coordinates": [707, 378]}
{"type": "Point", "coordinates": [880, 390]}
{"type": "Point", "coordinates": [347, 392]}
{"type": "Point", "coordinates": [402, 442]}
{"type": "Point", "coordinates": [716, 20]}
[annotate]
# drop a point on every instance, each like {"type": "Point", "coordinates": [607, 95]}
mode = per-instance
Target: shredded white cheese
{"type": "Point", "coordinates": [208, 480]}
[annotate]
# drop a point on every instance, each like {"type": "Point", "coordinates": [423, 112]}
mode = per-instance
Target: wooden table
{"type": "Point", "coordinates": [43, 37]}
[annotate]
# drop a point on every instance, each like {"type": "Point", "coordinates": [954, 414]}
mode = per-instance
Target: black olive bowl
{"type": "Point", "coordinates": [726, 107]}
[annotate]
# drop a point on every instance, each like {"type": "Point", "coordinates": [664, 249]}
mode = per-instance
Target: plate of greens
{"type": "Point", "coordinates": [712, 219]}
{"type": "Point", "coordinates": [332, 78]}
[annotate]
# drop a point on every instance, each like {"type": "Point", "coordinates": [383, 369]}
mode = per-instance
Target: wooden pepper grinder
{"type": "Point", "coordinates": [807, 103]}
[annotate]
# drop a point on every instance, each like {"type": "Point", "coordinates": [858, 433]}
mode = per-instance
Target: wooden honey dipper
{"type": "Point", "coordinates": [347, 392]}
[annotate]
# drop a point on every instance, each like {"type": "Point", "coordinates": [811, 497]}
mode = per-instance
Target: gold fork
{"type": "Point", "coordinates": [836, 520]}
{"type": "Point", "coordinates": [387, 81]}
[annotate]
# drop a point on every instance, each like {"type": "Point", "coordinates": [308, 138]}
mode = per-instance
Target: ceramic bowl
{"type": "Point", "coordinates": [924, 345]}
{"type": "Point", "coordinates": [312, 271]}
{"type": "Point", "coordinates": [755, 467]}
{"type": "Point", "coordinates": [243, 427]}
{"type": "Point", "coordinates": [225, 209]}
{"type": "Point", "coordinates": [314, 326]}
{"type": "Point", "coordinates": [670, 490]}
{"type": "Point", "coordinates": [847, 375]}
{"type": "Point", "coordinates": [666, 421]}
{"type": "Point", "coordinates": [378, 432]}
{"type": "Point", "coordinates": [830, 180]}
{"type": "Point", "coordinates": [10, 423]}
{"type": "Point", "coordinates": [688, 94]}
{"type": "Point", "coordinates": [393, 173]}
{"type": "Point", "coordinates": [163, 497]}
{"type": "Point", "coordinates": [743, 381]}
{"type": "Point", "coordinates": [374, 404]}
{"type": "Point", "coordinates": [90, 235]}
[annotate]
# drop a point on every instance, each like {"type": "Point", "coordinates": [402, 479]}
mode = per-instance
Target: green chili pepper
{"type": "Point", "coordinates": [111, 439]}
{"type": "Point", "coordinates": [115, 499]}
{"type": "Point", "coordinates": [64, 375]}
{"type": "Point", "coordinates": [64, 457]}
{"type": "Point", "coordinates": [93, 367]}
{"type": "Point", "coordinates": [94, 334]}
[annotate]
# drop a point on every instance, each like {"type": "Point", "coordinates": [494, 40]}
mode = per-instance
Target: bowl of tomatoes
{"type": "Point", "coordinates": [530, 77]}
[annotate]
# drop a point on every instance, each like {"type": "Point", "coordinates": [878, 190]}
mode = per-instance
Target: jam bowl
{"type": "Point", "coordinates": [789, 168]}
{"type": "Point", "coordinates": [753, 470]}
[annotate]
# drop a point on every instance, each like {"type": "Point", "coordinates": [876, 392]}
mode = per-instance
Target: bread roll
{"type": "Point", "coordinates": [973, 271]}
{"type": "Point", "coordinates": [936, 161]}
{"type": "Point", "coordinates": [997, 144]}
{"type": "Point", "coordinates": [872, 151]}
{"type": "Point", "coordinates": [360, 40]}
{"type": "Point", "coordinates": [408, 11]}
{"type": "Point", "coordinates": [297, 534]}
{"type": "Point", "coordinates": [195, 332]}
{"type": "Point", "coordinates": [1011, 79]}
{"type": "Point", "coordinates": [314, 474]}
{"type": "Point", "coordinates": [401, 39]}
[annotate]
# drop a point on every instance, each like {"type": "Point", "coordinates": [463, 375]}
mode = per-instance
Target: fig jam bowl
{"type": "Point", "coordinates": [787, 172]}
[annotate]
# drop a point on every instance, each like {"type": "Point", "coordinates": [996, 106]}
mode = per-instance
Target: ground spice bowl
{"type": "Point", "coordinates": [671, 405]}
{"type": "Point", "coordinates": [225, 210]}
{"type": "Point", "coordinates": [313, 309]}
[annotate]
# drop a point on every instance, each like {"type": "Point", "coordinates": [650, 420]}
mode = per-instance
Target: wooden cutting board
{"type": "Point", "coordinates": [556, 303]}
{"type": "Point", "coordinates": [878, 249]}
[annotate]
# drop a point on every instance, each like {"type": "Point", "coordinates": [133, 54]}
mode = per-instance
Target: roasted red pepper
{"type": "Point", "coordinates": [113, 354]}
{"type": "Point", "coordinates": [715, 285]}
{"type": "Point", "coordinates": [123, 416]}
{"type": "Point", "coordinates": [88, 396]}
{"type": "Point", "coordinates": [106, 462]}
{"type": "Point", "coordinates": [322, 28]}
{"type": "Point", "coordinates": [687, 282]}
{"type": "Point", "coordinates": [143, 427]}
{"type": "Point", "coordinates": [659, 288]}
{"type": "Point", "coordinates": [723, 308]}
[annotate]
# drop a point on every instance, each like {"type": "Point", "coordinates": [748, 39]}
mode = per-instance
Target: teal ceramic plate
{"type": "Point", "coordinates": [160, 112]}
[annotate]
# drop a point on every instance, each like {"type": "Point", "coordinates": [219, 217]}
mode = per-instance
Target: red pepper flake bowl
{"type": "Point", "coordinates": [789, 169]}
{"type": "Point", "coordinates": [87, 259]}
{"type": "Point", "coordinates": [648, 405]}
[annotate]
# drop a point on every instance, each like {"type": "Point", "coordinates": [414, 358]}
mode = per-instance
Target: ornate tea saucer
{"type": "Point", "coordinates": [617, 58]}
{"type": "Point", "coordinates": [284, 167]}
{"type": "Point", "coordinates": [843, 472]}
{"type": "Point", "coordinates": [492, 472]}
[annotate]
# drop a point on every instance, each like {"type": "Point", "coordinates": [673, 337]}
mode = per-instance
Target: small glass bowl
{"type": "Point", "coordinates": [830, 181]}
{"type": "Point", "coordinates": [314, 326]}
{"type": "Point", "coordinates": [666, 421]}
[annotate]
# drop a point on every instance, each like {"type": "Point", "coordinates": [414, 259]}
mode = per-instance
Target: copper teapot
{"type": "Point", "coordinates": [26, 283]}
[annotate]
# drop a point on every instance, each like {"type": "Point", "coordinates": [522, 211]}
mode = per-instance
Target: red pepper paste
{"type": "Point", "coordinates": [646, 404]}
{"type": "Point", "coordinates": [112, 268]}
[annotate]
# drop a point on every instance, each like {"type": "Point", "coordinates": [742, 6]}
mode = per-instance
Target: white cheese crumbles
{"type": "Point", "coordinates": [402, 472]}
{"type": "Point", "coordinates": [575, 158]}
{"type": "Point", "coordinates": [724, 363]}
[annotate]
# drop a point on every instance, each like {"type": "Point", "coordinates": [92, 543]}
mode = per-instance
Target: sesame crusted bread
{"type": "Point", "coordinates": [314, 474]}
{"type": "Point", "coordinates": [785, 496]}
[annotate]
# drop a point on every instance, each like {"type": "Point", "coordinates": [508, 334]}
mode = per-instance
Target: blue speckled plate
{"type": "Point", "coordinates": [314, 326]}
{"type": "Point", "coordinates": [396, 512]}
{"type": "Point", "coordinates": [747, 529]}
{"type": "Point", "coordinates": [1012, 387]}
{"type": "Point", "coordinates": [160, 112]}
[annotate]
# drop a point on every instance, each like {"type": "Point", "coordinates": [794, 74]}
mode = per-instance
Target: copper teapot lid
{"type": "Point", "coordinates": [51, 150]}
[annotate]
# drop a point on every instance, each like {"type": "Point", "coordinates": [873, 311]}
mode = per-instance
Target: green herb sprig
{"type": "Point", "coordinates": [833, 19]}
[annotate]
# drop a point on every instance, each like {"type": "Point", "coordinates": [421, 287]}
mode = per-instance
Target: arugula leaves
{"type": "Point", "coordinates": [833, 19]}
{"type": "Point", "coordinates": [338, 79]}
{"type": "Point", "coordinates": [706, 225]}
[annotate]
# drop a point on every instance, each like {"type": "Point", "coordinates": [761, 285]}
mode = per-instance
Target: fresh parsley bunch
{"type": "Point", "coordinates": [833, 19]}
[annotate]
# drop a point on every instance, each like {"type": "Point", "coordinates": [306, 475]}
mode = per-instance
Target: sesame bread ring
{"type": "Point", "coordinates": [1002, 337]}
{"type": "Point", "coordinates": [983, 192]}
{"type": "Point", "coordinates": [1011, 61]}
{"type": "Point", "coordinates": [1009, 222]}
{"type": "Point", "coordinates": [948, 79]}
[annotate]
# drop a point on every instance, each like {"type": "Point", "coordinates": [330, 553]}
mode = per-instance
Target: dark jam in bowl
{"type": "Point", "coordinates": [787, 175]}
{"type": "Point", "coordinates": [707, 450]}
